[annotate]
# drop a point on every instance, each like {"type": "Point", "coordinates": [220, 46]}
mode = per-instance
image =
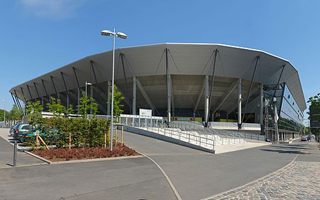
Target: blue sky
{"type": "Point", "coordinates": [38, 36]}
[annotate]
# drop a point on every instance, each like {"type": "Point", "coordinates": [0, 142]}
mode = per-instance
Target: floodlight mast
{"type": "Point", "coordinates": [121, 35]}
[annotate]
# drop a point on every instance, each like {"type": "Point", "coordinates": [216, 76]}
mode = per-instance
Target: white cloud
{"type": "Point", "coordinates": [52, 8]}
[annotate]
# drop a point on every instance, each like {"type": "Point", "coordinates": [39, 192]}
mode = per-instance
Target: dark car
{"type": "Point", "coordinates": [21, 131]}
{"type": "Point", "coordinates": [304, 138]}
{"type": "Point", "coordinates": [14, 128]}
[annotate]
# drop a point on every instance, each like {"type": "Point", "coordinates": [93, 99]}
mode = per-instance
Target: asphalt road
{"type": "Point", "coordinates": [133, 178]}
{"type": "Point", "coordinates": [198, 175]}
{"type": "Point", "coordinates": [6, 154]}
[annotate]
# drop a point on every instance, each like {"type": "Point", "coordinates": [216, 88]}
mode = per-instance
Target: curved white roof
{"type": "Point", "coordinates": [184, 59]}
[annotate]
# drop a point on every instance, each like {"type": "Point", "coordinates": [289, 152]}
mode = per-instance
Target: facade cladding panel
{"type": "Point", "coordinates": [183, 68]}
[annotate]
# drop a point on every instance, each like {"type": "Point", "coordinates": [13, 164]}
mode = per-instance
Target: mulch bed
{"type": "Point", "coordinates": [65, 154]}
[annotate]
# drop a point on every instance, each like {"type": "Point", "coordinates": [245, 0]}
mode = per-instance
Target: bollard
{"type": "Point", "coordinates": [122, 135]}
{"type": "Point", "coordinates": [14, 153]}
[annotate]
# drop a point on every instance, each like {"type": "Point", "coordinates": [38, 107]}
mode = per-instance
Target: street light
{"type": "Point", "coordinates": [87, 83]}
{"type": "Point", "coordinates": [121, 35]}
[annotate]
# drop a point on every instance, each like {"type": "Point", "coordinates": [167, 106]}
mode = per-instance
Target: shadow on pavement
{"type": "Point", "coordinates": [284, 151]}
{"type": "Point", "coordinates": [291, 147]}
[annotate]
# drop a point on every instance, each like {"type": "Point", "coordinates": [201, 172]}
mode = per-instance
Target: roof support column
{"type": "Point", "coordinates": [45, 90]}
{"type": "Point", "coordinates": [206, 100]}
{"type": "Point", "coordinates": [14, 101]}
{"type": "Point", "coordinates": [91, 97]}
{"type": "Point", "coordinates": [24, 97]}
{"type": "Point", "coordinates": [54, 86]}
{"type": "Point", "coordinates": [250, 88]}
{"type": "Point", "coordinates": [134, 95]}
{"type": "Point", "coordinates": [17, 99]}
{"type": "Point", "coordinates": [78, 100]}
{"type": "Point", "coordinates": [172, 98]}
{"type": "Point", "coordinates": [66, 89]}
{"type": "Point", "coordinates": [261, 107]}
{"type": "Point", "coordinates": [145, 95]}
{"type": "Point", "coordinates": [198, 99]}
{"type": "Point", "coordinates": [226, 96]}
{"type": "Point", "coordinates": [168, 87]}
{"type": "Point", "coordinates": [78, 88]}
{"type": "Point", "coordinates": [276, 116]}
{"type": "Point", "coordinates": [239, 103]}
{"type": "Point", "coordinates": [31, 98]}
{"type": "Point", "coordinates": [95, 81]}
{"type": "Point", "coordinates": [212, 83]}
{"type": "Point", "coordinates": [35, 86]}
{"type": "Point", "coordinates": [19, 104]}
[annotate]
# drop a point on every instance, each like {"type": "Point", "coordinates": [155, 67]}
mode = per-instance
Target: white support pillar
{"type": "Point", "coordinates": [261, 105]}
{"type": "Point", "coordinates": [78, 100]}
{"type": "Point", "coordinates": [276, 117]}
{"type": "Point", "coordinates": [206, 100]}
{"type": "Point", "coordinates": [169, 96]}
{"type": "Point", "coordinates": [239, 103]}
{"type": "Point", "coordinates": [134, 96]}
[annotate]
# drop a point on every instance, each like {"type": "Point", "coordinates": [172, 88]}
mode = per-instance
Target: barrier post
{"type": "Point", "coordinates": [122, 142]}
{"type": "Point", "coordinates": [14, 153]}
{"type": "Point", "coordinates": [139, 122]}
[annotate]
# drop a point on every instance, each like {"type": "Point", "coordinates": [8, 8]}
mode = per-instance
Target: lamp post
{"type": "Point", "coordinates": [121, 35]}
{"type": "Point", "coordinates": [87, 83]}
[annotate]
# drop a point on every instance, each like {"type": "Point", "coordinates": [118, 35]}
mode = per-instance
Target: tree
{"type": "Point", "coordinates": [55, 107]}
{"type": "Point", "coordinates": [69, 110]}
{"type": "Point", "coordinates": [34, 110]}
{"type": "Point", "coordinates": [2, 115]}
{"type": "Point", "coordinates": [118, 102]}
{"type": "Point", "coordinates": [87, 104]}
{"type": "Point", "coordinates": [15, 113]}
{"type": "Point", "coordinates": [314, 114]}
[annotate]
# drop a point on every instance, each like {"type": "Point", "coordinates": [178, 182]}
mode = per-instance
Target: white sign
{"type": "Point", "coordinates": [145, 112]}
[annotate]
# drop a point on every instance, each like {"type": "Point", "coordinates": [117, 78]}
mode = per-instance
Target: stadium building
{"type": "Point", "coordinates": [219, 84]}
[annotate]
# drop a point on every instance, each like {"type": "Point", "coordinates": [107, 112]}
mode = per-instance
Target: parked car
{"type": "Point", "coordinates": [13, 128]}
{"type": "Point", "coordinates": [31, 135]}
{"type": "Point", "coordinates": [304, 138]}
{"type": "Point", "coordinates": [21, 131]}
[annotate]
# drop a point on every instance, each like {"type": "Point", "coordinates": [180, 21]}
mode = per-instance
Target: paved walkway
{"type": "Point", "coordinates": [297, 181]}
{"type": "Point", "coordinates": [198, 175]}
{"type": "Point", "coordinates": [6, 153]}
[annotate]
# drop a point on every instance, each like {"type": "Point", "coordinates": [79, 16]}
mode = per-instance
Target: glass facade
{"type": "Point", "coordinates": [291, 117]}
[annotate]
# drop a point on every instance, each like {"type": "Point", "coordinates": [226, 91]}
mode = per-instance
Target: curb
{"type": "Point", "coordinates": [82, 160]}
{"type": "Point", "coordinates": [95, 160]}
{"type": "Point", "coordinates": [38, 157]}
{"type": "Point", "coordinates": [234, 190]}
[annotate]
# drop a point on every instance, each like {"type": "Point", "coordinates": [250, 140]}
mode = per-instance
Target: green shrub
{"type": "Point", "coordinates": [84, 132]}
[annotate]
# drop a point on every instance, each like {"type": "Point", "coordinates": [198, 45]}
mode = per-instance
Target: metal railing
{"type": "Point", "coordinates": [232, 136]}
{"type": "Point", "coordinates": [191, 132]}
{"type": "Point", "coordinates": [159, 126]}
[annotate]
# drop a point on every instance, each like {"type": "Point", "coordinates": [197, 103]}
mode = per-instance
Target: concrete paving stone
{"type": "Point", "coordinates": [301, 181]}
